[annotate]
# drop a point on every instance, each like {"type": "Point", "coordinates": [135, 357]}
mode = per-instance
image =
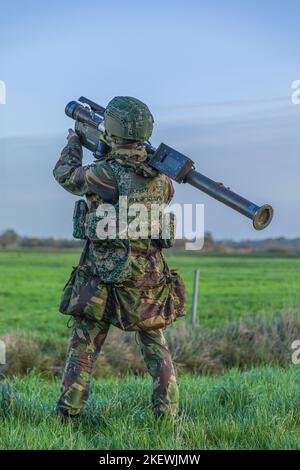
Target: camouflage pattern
{"type": "Point", "coordinates": [128, 118]}
{"type": "Point", "coordinates": [79, 217]}
{"type": "Point", "coordinates": [149, 296]}
{"type": "Point", "coordinates": [146, 294]}
{"type": "Point", "coordinates": [148, 301]}
{"type": "Point", "coordinates": [86, 342]}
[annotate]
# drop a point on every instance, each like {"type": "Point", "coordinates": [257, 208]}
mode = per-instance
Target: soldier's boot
{"type": "Point", "coordinates": [87, 338]}
{"type": "Point", "coordinates": [64, 416]}
{"type": "Point", "coordinates": [160, 366]}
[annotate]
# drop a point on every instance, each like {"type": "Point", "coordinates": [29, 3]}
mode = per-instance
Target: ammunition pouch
{"type": "Point", "coordinates": [91, 222]}
{"type": "Point", "coordinates": [79, 219]}
{"type": "Point", "coordinates": [167, 239]}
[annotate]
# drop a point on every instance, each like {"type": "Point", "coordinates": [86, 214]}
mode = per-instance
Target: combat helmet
{"type": "Point", "coordinates": [128, 118]}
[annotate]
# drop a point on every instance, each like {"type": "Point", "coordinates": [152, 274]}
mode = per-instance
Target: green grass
{"type": "Point", "coordinates": [258, 409]}
{"type": "Point", "coordinates": [230, 287]}
{"type": "Point", "coordinates": [255, 409]}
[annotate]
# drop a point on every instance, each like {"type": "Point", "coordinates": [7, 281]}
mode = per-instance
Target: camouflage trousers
{"type": "Point", "coordinates": [86, 342]}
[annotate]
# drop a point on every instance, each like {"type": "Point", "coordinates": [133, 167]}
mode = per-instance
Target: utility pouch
{"type": "Point", "coordinates": [168, 234]}
{"type": "Point", "coordinates": [68, 291]}
{"type": "Point", "coordinates": [79, 217]}
{"type": "Point", "coordinates": [83, 295]}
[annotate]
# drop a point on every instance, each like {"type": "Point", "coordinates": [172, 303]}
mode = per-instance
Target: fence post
{"type": "Point", "coordinates": [195, 296]}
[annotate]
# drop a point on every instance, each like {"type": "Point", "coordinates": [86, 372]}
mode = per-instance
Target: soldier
{"type": "Point", "coordinates": [121, 282]}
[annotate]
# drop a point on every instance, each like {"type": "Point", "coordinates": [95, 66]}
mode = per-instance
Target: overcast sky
{"type": "Point", "coordinates": [217, 76]}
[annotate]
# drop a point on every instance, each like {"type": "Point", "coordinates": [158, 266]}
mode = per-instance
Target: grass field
{"type": "Point", "coordinates": [256, 409]}
{"type": "Point", "coordinates": [230, 287]}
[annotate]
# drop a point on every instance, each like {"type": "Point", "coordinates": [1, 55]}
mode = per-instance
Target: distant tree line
{"type": "Point", "coordinates": [10, 239]}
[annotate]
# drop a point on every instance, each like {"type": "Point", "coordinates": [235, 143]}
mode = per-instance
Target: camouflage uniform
{"type": "Point", "coordinates": [126, 283]}
{"type": "Point", "coordinates": [86, 343]}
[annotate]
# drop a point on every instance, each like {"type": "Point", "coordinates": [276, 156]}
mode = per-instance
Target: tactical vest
{"type": "Point", "coordinates": [110, 259]}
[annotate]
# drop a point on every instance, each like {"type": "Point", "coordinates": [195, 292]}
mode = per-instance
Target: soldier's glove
{"type": "Point", "coordinates": [71, 135]}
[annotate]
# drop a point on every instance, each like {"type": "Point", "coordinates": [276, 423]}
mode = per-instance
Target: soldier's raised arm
{"type": "Point", "coordinates": [81, 180]}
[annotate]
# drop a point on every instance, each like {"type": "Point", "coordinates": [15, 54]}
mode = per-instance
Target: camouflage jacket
{"type": "Point", "coordinates": [126, 282]}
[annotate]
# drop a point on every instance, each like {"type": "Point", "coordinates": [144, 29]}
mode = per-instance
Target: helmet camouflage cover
{"type": "Point", "coordinates": [128, 118]}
